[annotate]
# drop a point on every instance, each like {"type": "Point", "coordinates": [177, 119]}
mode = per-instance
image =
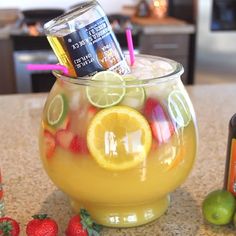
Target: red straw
{"type": "Point", "coordinates": [48, 67]}
{"type": "Point", "coordinates": [130, 46]}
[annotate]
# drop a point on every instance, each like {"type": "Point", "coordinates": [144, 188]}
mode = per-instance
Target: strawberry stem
{"type": "Point", "coordinates": [40, 216]}
{"type": "Point", "coordinates": [6, 228]}
{"type": "Point", "coordinates": [92, 228]}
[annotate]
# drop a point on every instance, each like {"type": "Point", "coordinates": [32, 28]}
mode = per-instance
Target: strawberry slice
{"type": "Point", "coordinates": [79, 145]}
{"type": "Point", "coordinates": [50, 143]}
{"type": "Point", "coordinates": [160, 123]}
{"type": "Point", "coordinates": [67, 140]}
{"type": "Point", "coordinates": [64, 138]}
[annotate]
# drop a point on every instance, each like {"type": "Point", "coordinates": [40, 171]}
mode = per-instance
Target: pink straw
{"type": "Point", "coordinates": [130, 46]}
{"type": "Point", "coordinates": [48, 67]}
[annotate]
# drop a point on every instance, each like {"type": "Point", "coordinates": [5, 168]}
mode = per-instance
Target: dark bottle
{"type": "Point", "coordinates": [143, 9]}
{"type": "Point", "coordinates": [230, 167]}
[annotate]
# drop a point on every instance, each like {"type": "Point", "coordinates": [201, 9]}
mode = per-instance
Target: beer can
{"type": "Point", "coordinates": [84, 42]}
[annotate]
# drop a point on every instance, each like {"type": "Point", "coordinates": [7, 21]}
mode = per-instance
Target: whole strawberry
{"type": "Point", "coordinates": [9, 227]}
{"type": "Point", "coordinates": [42, 225]}
{"type": "Point", "coordinates": [82, 225]}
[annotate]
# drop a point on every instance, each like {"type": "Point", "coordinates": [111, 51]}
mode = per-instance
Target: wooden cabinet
{"type": "Point", "coordinates": [7, 78]}
{"type": "Point", "coordinates": [173, 46]}
{"type": "Point", "coordinates": [169, 37]}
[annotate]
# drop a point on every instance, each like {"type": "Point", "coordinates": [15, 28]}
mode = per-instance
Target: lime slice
{"type": "Point", "coordinates": [57, 110]}
{"type": "Point", "coordinates": [179, 108]}
{"type": "Point", "coordinates": [105, 96]}
{"type": "Point", "coordinates": [134, 96]}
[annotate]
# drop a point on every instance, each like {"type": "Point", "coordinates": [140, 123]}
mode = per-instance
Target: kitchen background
{"type": "Point", "coordinates": [191, 33]}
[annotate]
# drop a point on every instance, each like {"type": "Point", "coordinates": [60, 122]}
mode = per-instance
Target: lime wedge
{"type": "Point", "coordinates": [106, 96]}
{"type": "Point", "coordinates": [179, 108]}
{"type": "Point", "coordinates": [134, 96]}
{"type": "Point", "coordinates": [57, 110]}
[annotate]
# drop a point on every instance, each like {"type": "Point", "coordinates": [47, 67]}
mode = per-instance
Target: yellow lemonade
{"type": "Point", "coordinates": [120, 156]}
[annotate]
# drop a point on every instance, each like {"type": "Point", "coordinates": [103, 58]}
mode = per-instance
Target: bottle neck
{"type": "Point", "coordinates": [233, 121]}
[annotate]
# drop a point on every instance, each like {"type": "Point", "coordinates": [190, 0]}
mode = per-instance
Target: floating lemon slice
{"type": "Point", "coordinates": [119, 138]}
{"type": "Point", "coordinates": [108, 95]}
{"type": "Point", "coordinates": [134, 96]}
{"type": "Point", "coordinates": [57, 110]}
{"type": "Point", "coordinates": [179, 108]}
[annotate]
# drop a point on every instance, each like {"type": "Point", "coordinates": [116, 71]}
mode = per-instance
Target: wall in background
{"type": "Point", "coordinates": [110, 6]}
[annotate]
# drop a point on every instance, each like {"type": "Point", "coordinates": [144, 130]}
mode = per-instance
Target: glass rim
{"type": "Point", "coordinates": [178, 70]}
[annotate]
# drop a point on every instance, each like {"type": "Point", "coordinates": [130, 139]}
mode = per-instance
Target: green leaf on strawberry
{"type": "Point", "coordinates": [82, 225]}
{"type": "Point", "coordinates": [9, 227]}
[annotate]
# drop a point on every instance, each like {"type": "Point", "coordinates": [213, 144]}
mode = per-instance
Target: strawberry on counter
{"type": "Point", "coordinates": [42, 225]}
{"type": "Point", "coordinates": [82, 225]}
{"type": "Point", "coordinates": [9, 227]}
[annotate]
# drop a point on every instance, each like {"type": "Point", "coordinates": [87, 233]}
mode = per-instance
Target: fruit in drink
{"type": "Point", "coordinates": [161, 125]}
{"type": "Point", "coordinates": [50, 143]}
{"type": "Point", "coordinates": [57, 110]}
{"type": "Point", "coordinates": [134, 96]}
{"type": "Point", "coordinates": [119, 138]}
{"type": "Point", "coordinates": [106, 95]}
{"type": "Point", "coordinates": [179, 109]}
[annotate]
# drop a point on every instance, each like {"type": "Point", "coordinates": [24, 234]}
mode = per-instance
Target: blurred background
{"type": "Point", "coordinates": [200, 34]}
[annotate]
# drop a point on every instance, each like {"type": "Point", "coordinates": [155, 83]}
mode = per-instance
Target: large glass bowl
{"type": "Point", "coordinates": [119, 148]}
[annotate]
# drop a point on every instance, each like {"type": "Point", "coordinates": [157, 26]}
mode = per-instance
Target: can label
{"type": "Point", "coordinates": [94, 48]}
{"type": "Point", "coordinates": [231, 185]}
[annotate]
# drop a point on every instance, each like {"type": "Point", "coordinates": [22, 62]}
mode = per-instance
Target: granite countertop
{"type": "Point", "coordinates": [28, 190]}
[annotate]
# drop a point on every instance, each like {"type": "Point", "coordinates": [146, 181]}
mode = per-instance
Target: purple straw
{"type": "Point", "coordinates": [130, 46]}
{"type": "Point", "coordinates": [48, 67]}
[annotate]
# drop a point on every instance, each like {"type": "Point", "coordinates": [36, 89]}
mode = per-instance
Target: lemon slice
{"type": "Point", "coordinates": [119, 138]}
{"type": "Point", "coordinates": [57, 110]}
{"type": "Point", "coordinates": [179, 108]}
{"type": "Point", "coordinates": [134, 96]}
{"type": "Point", "coordinates": [106, 96]}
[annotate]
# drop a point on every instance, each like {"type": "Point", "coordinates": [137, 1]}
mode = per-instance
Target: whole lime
{"type": "Point", "coordinates": [218, 207]}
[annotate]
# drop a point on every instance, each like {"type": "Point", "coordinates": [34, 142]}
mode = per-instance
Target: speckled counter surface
{"type": "Point", "coordinates": [28, 190]}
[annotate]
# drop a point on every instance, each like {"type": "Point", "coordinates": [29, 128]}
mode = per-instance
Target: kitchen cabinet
{"type": "Point", "coordinates": [171, 38]}
{"type": "Point", "coordinates": [8, 18]}
{"type": "Point", "coordinates": [173, 46]}
{"type": "Point", "coordinates": [7, 78]}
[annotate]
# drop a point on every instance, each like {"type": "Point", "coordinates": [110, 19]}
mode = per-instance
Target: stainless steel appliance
{"type": "Point", "coordinates": [216, 51]}
{"type": "Point", "coordinates": [30, 45]}
{"type": "Point", "coordinates": [33, 81]}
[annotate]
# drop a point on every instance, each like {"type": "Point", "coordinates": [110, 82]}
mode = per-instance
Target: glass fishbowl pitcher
{"type": "Point", "coordinates": [119, 145]}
